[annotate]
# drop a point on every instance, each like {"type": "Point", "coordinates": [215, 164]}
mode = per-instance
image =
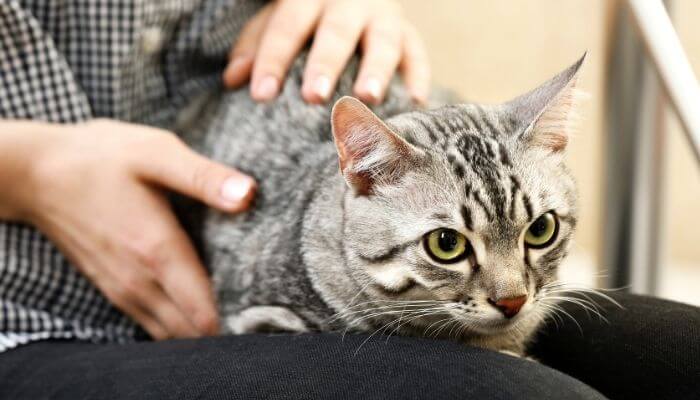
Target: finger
{"type": "Point", "coordinates": [380, 57]}
{"type": "Point", "coordinates": [130, 289]}
{"type": "Point", "coordinates": [118, 296]}
{"type": "Point", "coordinates": [149, 323]}
{"type": "Point", "coordinates": [288, 29]}
{"type": "Point", "coordinates": [334, 43]}
{"type": "Point", "coordinates": [241, 59]}
{"type": "Point", "coordinates": [153, 299]}
{"type": "Point", "coordinates": [178, 270]}
{"type": "Point", "coordinates": [179, 168]}
{"type": "Point", "coordinates": [414, 65]}
{"type": "Point", "coordinates": [106, 281]}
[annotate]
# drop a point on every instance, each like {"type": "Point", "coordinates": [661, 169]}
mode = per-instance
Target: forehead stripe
{"type": "Point", "coordinates": [483, 128]}
{"type": "Point", "coordinates": [511, 211]}
{"type": "Point", "coordinates": [505, 160]}
{"type": "Point", "coordinates": [469, 121]}
{"type": "Point", "coordinates": [429, 129]}
{"type": "Point", "coordinates": [458, 170]}
{"type": "Point", "coordinates": [467, 217]}
{"type": "Point", "coordinates": [488, 123]}
{"type": "Point", "coordinates": [481, 203]}
{"type": "Point", "coordinates": [528, 206]}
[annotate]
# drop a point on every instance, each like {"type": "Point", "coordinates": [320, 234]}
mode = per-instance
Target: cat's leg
{"type": "Point", "coordinates": [264, 319]}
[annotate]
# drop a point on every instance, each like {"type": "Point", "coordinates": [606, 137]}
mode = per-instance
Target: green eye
{"type": "Point", "coordinates": [446, 245]}
{"type": "Point", "coordinates": [543, 231]}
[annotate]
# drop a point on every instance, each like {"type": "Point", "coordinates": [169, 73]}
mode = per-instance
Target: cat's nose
{"type": "Point", "coordinates": [510, 306]}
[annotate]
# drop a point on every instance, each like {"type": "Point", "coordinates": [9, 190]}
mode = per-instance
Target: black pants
{"type": "Point", "coordinates": [651, 349]}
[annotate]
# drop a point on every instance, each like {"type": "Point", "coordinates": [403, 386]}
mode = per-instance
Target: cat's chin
{"type": "Point", "coordinates": [499, 326]}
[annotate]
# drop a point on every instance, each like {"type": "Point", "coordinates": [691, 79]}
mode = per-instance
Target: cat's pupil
{"type": "Point", "coordinates": [539, 227]}
{"type": "Point", "coordinates": [447, 241]}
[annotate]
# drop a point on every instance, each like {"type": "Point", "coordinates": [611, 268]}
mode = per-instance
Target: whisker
{"type": "Point", "coordinates": [438, 322]}
{"type": "Point", "coordinates": [386, 326]}
{"type": "Point", "coordinates": [347, 313]}
{"type": "Point", "coordinates": [560, 287]}
{"type": "Point", "coordinates": [561, 310]}
{"type": "Point", "coordinates": [551, 313]}
{"type": "Point", "coordinates": [588, 306]}
{"type": "Point", "coordinates": [425, 314]}
{"type": "Point", "coordinates": [373, 314]}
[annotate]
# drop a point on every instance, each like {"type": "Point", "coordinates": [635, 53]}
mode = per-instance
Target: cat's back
{"type": "Point", "coordinates": [276, 136]}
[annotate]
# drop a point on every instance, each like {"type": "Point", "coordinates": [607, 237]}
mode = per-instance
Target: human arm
{"type": "Point", "coordinates": [97, 190]}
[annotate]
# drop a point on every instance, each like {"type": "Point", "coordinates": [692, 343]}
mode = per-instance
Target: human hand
{"type": "Point", "coordinates": [272, 39]}
{"type": "Point", "coordinates": [97, 190]}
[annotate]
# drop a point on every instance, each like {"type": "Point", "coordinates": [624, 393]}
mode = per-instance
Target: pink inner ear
{"type": "Point", "coordinates": [346, 119]}
{"type": "Point", "coordinates": [554, 125]}
{"type": "Point", "coordinates": [356, 130]}
{"type": "Point", "coordinates": [366, 146]}
{"type": "Point", "coordinates": [554, 141]}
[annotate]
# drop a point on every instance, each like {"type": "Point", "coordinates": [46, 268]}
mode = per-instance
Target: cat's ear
{"type": "Point", "coordinates": [549, 111]}
{"type": "Point", "coordinates": [369, 152]}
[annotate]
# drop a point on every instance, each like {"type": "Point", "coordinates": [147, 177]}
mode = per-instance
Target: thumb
{"type": "Point", "coordinates": [181, 169]}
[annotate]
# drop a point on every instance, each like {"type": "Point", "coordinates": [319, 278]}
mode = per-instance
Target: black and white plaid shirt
{"type": "Point", "coordinates": [72, 60]}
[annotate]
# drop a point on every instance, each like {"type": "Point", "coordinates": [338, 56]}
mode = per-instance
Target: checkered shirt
{"type": "Point", "coordinates": [73, 60]}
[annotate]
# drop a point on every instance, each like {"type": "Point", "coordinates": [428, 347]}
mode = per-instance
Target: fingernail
{"type": "Point", "coordinates": [373, 88]}
{"type": "Point", "coordinates": [266, 89]}
{"type": "Point", "coordinates": [235, 189]}
{"type": "Point", "coordinates": [322, 87]}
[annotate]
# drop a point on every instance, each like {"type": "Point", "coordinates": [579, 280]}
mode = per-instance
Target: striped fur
{"type": "Point", "coordinates": [344, 249]}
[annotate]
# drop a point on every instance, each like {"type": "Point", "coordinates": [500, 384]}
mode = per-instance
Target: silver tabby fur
{"type": "Point", "coordinates": [314, 255]}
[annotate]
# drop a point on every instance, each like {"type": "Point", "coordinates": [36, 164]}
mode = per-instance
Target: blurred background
{"type": "Point", "coordinates": [491, 51]}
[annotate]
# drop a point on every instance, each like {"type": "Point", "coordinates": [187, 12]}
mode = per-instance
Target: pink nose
{"type": "Point", "coordinates": [510, 306]}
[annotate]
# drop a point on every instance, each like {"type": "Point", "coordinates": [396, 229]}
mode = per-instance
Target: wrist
{"type": "Point", "coordinates": [21, 145]}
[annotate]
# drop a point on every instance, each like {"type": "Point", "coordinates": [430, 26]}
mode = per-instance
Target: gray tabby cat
{"type": "Point", "coordinates": [447, 223]}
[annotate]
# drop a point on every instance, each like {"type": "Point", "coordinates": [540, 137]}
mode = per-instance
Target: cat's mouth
{"type": "Point", "coordinates": [502, 323]}
{"type": "Point", "coordinates": [489, 325]}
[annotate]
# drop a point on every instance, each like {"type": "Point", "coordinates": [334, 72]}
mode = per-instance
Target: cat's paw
{"type": "Point", "coordinates": [259, 319]}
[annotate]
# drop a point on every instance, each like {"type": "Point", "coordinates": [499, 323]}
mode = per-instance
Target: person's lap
{"type": "Point", "coordinates": [650, 347]}
{"type": "Point", "coordinates": [279, 366]}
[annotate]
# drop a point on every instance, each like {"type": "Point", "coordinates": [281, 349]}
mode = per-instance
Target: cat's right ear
{"type": "Point", "coordinates": [549, 110]}
{"type": "Point", "coordinates": [369, 152]}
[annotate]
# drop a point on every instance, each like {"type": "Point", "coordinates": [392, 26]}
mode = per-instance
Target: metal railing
{"type": "Point", "coordinates": [635, 140]}
{"type": "Point", "coordinates": [671, 63]}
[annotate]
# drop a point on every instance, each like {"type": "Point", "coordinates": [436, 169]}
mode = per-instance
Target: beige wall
{"type": "Point", "coordinates": [490, 51]}
{"type": "Point", "coordinates": [682, 201]}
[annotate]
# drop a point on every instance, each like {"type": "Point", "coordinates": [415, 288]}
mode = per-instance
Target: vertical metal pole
{"type": "Point", "coordinates": [647, 174]}
{"type": "Point", "coordinates": [633, 148]}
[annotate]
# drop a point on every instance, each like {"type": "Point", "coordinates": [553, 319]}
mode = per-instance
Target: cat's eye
{"type": "Point", "coordinates": [446, 246]}
{"type": "Point", "coordinates": [543, 231]}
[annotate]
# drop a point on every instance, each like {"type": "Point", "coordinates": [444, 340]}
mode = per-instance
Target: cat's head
{"type": "Point", "coordinates": [468, 204]}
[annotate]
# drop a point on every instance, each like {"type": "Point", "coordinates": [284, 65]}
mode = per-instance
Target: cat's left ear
{"type": "Point", "coordinates": [549, 110]}
{"type": "Point", "coordinates": [369, 152]}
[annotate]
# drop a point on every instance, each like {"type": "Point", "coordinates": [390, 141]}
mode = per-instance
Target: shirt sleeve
{"type": "Point", "coordinates": [36, 81]}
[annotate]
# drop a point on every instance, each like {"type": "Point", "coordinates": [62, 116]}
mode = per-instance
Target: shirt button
{"type": "Point", "coordinates": [151, 40]}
